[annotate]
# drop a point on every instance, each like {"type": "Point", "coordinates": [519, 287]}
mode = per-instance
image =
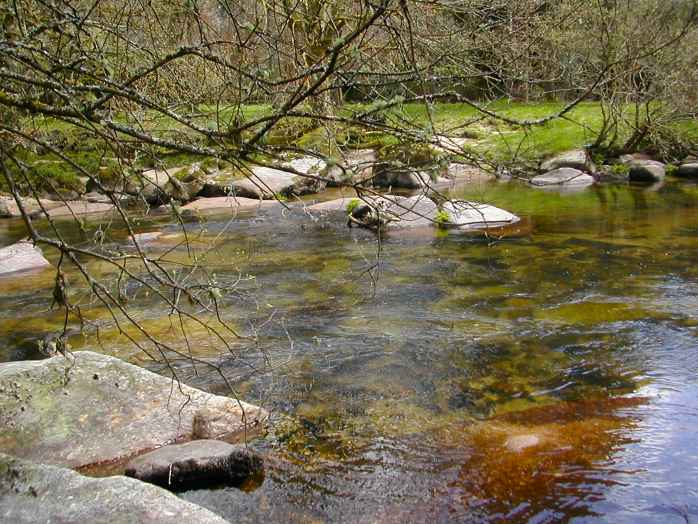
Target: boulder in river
{"type": "Point", "coordinates": [394, 212]}
{"type": "Point", "coordinates": [22, 256]}
{"type": "Point", "coordinates": [353, 167]}
{"type": "Point", "coordinates": [31, 493]}
{"type": "Point", "coordinates": [688, 170]}
{"type": "Point", "coordinates": [563, 176]}
{"type": "Point", "coordinates": [74, 208]}
{"type": "Point", "coordinates": [92, 408]}
{"type": "Point", "coordinates": [196, 464]}
{"type": "Point", "coordinates": [268, 183]}
{"type": "Point", "coordinates": [473, 215]}
{"type": "Point", "coordinates": [575, 159]}
{"type": "Point", "coordinates": [646, 171]}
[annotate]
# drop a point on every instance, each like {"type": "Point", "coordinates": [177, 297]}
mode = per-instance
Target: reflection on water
{"type": "Point", "coordinates": [546, 377]}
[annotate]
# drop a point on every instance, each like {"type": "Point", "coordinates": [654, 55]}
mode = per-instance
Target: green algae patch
{"type": "Point", "coordinates": [592, 313]}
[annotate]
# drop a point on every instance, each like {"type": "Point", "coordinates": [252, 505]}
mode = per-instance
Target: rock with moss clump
{"type": "Point", "coordinates": [575, 159]}
{"type": "Point", "coordinates": [32, 493]}
{"type": "Point", "coordinates": [160, 186]}
{"type": "Point", "coordinates": [22, 256]}
{"type": "Point", "coordinates": [196, 464]}
{"type": "Point", "coordinates": [91, 408]}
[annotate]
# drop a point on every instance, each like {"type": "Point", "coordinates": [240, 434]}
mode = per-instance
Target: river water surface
{"type": "Point", "coordinates": [550, 376]}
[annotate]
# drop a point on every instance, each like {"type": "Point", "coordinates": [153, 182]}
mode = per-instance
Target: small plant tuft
{"type": "Point", "coordinates": [442, 219]}
{"type": "Point", "coordinates": [352, 205]}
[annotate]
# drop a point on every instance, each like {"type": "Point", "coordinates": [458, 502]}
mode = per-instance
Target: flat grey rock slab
{"type": "Point", "coordinates": [689, 170]}
{"type": "Point", "coordinates": [94, 408]}
{"type": "Point", "coordinates": [646, 171]}
{"type": "Point", "coordinates": [224, 204]}
{"type": "Point", "coordinates": [80, 208]}
{"type": "Point", "coordinates": [196, 464]}
{"type": "Point", "coordinates": [33, 493]}
{"type": "Point", "coordinates": [564, 176]}
{"type": "Point", "coordinates": [575, 159]}
{"type": "Point", "coordinates": [338, 204]}
{"type": "Point", "coordinates": [22, 256]}
{"type": "Point", "coordinates": [10, 209]}
{"type": "Point", "coordinates": [474, 215]}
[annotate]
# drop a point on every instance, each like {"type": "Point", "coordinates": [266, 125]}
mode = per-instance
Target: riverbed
{"type": "Point", "coordinates": [547, 375]}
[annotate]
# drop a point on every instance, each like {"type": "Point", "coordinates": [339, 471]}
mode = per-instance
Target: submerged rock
{"type": "Point", "coordinates": [575, 159]}
{"type": "Point", "coordinates": [646, 171]}
{"type": "Point", "coordinates": [564, 176]}
{"type": "Point", "coordinates": [473, 215]}
{"type": "Point", "coordinates": [196, 464]}
{"type": "Point", "coordinates": [32, 493]}
{"type": "Point", "coordinates": [22, 256]}
{"type": "Point", "coordinates": [93, 408]}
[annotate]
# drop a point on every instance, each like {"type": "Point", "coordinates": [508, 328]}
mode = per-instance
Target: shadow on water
{"type": "Point", "coordinates": [546, 377]}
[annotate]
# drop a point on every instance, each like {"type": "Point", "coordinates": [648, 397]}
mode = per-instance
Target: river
{"type": "Point", "coordinates": [549, 376]}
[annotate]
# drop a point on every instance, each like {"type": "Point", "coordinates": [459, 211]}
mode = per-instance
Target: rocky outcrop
{"type": "Point", "coordinates": [22, 256]}
{"type": "Point", "coordinates": [564, 176]}
{"type": "Point", "coordinates": [575, 159]}
{"type": "Point", "coordinates": [31, 493]}
{"type": "Point", "coordinates": [338, 204]}
{"type": "Point", "coordinates": [473, 215]}
{"type": "Point", "coordinates": [646, 171]}
{"type": "Point", "coordinates": [196, 464]}
{"type": "Point", "coordinates": [92, 408]}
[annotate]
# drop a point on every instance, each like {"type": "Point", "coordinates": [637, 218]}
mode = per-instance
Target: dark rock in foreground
{"type": "Point", "coordinates": [22, 256]}
{"type": "Point", "coordinates": [31, 493]}
{"type": "Point", "coordinates": [196, 464]}
{"type": "Point", "coordinates": [93, 408]}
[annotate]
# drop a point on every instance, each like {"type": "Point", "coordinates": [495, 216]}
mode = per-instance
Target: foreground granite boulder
{"type": "Point", "coordinates": [196, 464]}
{"type": "Point", "coordinates": [22, 256]}
{"type": "Point", "coordinates": [93, 408]}
{"type": "Point", "coordinates": [31, 493]}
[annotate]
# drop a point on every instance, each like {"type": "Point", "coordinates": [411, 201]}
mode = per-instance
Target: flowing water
{"type": "Point", "coordinates": [549, 376]}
